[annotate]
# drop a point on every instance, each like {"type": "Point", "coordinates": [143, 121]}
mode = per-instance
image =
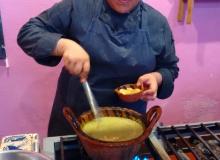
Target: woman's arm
{"type": "Point", "coordinates": [167, 64]}
{"type": "Point", "coordinates": [160, 83]}
{"type": "Point", "coordinates": [39, 36]}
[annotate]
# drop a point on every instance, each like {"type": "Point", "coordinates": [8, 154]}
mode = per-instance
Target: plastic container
{"type": "Point", "coordinates": [22, 155]}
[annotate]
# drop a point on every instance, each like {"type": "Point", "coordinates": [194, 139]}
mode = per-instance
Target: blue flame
{"type": "Point", "coordinates": [139, 158]}
{"type": "Point", "coordinates": [136, 158]}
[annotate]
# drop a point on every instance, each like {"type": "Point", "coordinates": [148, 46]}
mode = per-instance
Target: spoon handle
{"type": "Point", "coordinates": [91, 98]}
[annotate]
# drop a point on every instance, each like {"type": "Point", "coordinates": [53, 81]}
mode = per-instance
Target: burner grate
{"type": "Point", "coordinates": [68, 148]}
{"type": "Point", "coordinates": [195, 141]}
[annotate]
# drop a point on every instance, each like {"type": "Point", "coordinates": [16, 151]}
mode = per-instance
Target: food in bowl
{"type": "Point", "coordinates": [129, 90]}
{"type": "Point", "coordinates": [113, 129]}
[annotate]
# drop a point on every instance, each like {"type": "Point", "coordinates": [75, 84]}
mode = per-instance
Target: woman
{"type": "Point", "coordinates": [108, 43]}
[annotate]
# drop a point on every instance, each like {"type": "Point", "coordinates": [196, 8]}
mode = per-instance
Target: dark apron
{"type": "Point", "coordinates": [117, 57]}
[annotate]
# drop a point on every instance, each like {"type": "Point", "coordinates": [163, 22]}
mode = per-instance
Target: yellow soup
{"type": "Point", "coordinates": [113, 129]}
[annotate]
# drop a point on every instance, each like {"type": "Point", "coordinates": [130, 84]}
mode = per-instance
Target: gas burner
{"type": "Point", "coordinates": [70, 147]}
{"type": "Point", "coordinates": [192, 141]}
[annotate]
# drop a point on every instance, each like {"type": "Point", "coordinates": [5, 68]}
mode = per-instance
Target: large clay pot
{"type": "Point", "coordinates": [101, 150]}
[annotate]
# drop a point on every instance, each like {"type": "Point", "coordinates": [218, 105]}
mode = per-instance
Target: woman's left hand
{"type": "Point", "coordinates": [150, 82]}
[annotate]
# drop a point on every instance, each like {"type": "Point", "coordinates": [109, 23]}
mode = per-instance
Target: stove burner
{"type": "Point", "coordinates": [70, 147]}
{"type": "Point", "coordinates": [141, 157]}
{"type": "Point", "coordinates": [201, 140]}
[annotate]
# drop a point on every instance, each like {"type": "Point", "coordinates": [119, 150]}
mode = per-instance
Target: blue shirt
{"type": "Point", "coordinates": [121, 47]}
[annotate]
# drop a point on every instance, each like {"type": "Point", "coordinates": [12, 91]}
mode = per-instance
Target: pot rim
{"type": "Point", "coordinates": [143, 117]}
{"type": "Point", "coordinates": [119, 143]}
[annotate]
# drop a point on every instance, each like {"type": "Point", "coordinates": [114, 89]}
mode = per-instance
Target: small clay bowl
{"type": "Point", "coordinates": [129, 97]}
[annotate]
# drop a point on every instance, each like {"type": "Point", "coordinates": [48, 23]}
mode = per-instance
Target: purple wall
{"type": "Point", "coordinates": [27, 89]}
{"type": "Point", "coordinates": [196, 97]}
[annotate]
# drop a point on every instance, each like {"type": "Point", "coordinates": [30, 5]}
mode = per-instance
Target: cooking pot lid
{"type": "Point", "coordinates": [22, 155]}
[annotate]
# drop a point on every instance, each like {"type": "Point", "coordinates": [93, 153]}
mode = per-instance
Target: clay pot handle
{"type": "Point", "coordinates": [153, 115]}
{"type": "Point", "coordinates": [71, 118]}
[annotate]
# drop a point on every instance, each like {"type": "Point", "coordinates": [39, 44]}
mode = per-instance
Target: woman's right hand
{"type": "Point", "coordinates": [76, 59]}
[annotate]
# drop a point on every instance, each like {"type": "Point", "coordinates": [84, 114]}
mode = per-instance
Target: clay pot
{"type": "Point", "coordinates": [101, 150]}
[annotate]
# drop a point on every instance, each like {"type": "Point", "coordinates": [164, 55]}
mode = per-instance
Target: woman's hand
{"type": "Point", "coordinates": [76, 59]}
{"type": "Point", "coordinates": [150, 82]}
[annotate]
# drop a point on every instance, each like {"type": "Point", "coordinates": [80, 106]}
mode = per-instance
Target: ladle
{"type": "Point", "coordinates": [91, 98]}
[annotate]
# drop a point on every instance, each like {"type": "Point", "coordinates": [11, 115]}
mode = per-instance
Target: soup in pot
{"type": "Point", "coordinates": [113, 129]}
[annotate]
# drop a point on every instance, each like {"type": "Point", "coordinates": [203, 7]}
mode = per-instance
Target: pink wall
{"type": "Point", "coordinates": [196, 97]}
{"type": "Point", "coordinates": [27, 89]}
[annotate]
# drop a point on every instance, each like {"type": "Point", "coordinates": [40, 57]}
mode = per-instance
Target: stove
{"type": "Point", "coordinates": [69, 148]}
{"type": "Point", "coordinates": [194, 141]}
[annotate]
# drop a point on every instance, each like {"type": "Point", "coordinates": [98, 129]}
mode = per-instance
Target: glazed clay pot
{"type": "Point", "coordinates": [101, 150]}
